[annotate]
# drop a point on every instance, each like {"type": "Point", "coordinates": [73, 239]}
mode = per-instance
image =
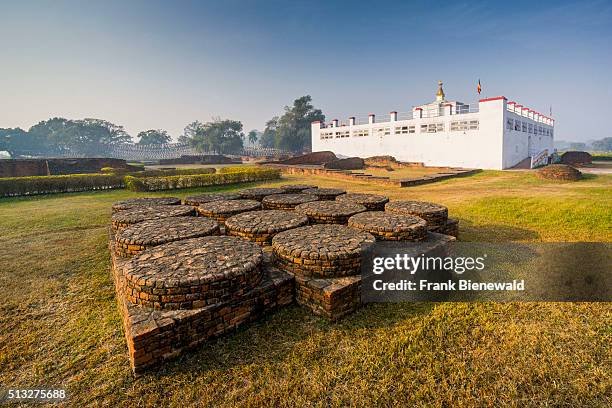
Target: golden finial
{"type": "Point", "coordinates": [440, 95]}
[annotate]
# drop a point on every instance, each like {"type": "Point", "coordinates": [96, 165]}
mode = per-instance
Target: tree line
{"type": "Point", "coordinates": [602, 145]}
{"type": "Point", "coordinates": [94, 137]}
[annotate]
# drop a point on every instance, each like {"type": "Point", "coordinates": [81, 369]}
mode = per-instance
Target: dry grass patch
{"type": "Point", "coordinates": [59, 323]}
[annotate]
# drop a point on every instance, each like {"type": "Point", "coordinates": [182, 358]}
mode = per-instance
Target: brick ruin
{"type": "Point", "coordinates": [53, 167]}
{"type": "Point", "coordinates": [576, 158]}
{"type": "Point", "coordinates": [562, 172]}
{"type": "Point", "coordinates": [144, 202]}
{"type": "Point", "coordinates": [286, 201]}
{"type": "Point", "coordinates": [329, 212]}
{"type": "Point", "coordinates": [185, 274]}
{"type": "Point", "coordinates": [261, 226]}
{"type": "Point", "coordinates": [221, 210]}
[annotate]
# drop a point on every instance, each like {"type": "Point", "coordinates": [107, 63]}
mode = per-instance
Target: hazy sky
{"type": "Point", "coordinates": [162, 65]}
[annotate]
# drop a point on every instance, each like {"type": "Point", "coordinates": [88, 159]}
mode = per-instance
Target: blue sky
{"type": "Point", "coordinates": [153, 64]}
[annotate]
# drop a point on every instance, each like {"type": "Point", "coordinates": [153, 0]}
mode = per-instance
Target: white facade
{"type": "Point", "coordinates": [496, 134]}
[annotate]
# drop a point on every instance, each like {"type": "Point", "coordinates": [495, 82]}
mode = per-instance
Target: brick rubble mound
{"type": "Point", "coordinates": [559, 172]}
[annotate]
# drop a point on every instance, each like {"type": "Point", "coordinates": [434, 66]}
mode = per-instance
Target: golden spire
{"type": "Point", "coordinates": [440, 94]}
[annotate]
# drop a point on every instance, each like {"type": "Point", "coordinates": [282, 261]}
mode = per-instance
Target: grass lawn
{"type": "Point", "coordinates": [59, 323]}
{"type": "Point", "coordinates": [403, 173]}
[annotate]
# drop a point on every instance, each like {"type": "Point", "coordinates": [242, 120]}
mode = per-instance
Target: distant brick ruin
{"type": "Point", "coordinates": [52, 167]}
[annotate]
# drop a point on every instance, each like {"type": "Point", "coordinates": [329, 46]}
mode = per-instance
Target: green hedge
{"type": "Point", "coordinates": [18, 186]}
{"type": "Point", "coordinates": [601, 156]}
{"type": "Point", "coordinates": [200, 180]}
{"type": "Point", "coordinates": [234, 169]}
{"type": "Point", "coordinates": [139, 181]}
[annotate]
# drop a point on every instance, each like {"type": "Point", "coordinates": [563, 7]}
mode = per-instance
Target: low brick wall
{"type": "Point", "coordinates": [347, 174]}
{"type": "Point", "coordinates": [389, 162]}
{"type": "Point", "coordinates": [55, 167]}
{"type": "Point", "coordinates": [23, 168]}
{"type": "Point", "coordinates": [200, 159]}
{"type": "Point", "coordinates": [85, 165]}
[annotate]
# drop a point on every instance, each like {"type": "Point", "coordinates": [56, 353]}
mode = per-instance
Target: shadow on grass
{"type": "Point", "coordinates": [495, 233]}
{"type": "Point", "coordinates": [292, 327]}
{"type": "Point", "coordinates": [588, 176]}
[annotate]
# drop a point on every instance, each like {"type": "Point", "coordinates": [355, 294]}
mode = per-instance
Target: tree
{"type": "Point", "coordinates": [18, 142]}
{"type": "Point", "coordinates": [268, 138]}
{"type": "Point", "coordinates": [603, 145]}
{"type": "Point", "coordinates": [153, 137]}
{"type": "Point", "coordinates": [190, 131]}
{"type": "Point", "coordinates": [89, 137]}
{"type": "Point", "coordinates": [253, 136]}
{"type": "Point", "coordinates": [219, 136]}
{"type": "Point", "coordinates": [54, 134]}
{"type": "Point", "coordinates": [292, 130]}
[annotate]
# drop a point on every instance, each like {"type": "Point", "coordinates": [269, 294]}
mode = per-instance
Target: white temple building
{"type": "Point", "coordinates": [495, 134]}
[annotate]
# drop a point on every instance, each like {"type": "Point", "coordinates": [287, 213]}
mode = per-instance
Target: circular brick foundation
{"type": "Point", "coordinates": [259, 193]}
{"type": "Point", "coordinates": [322, 251]}
{"type": "Point", "coordinates": [138, 237]}
{"type": "Point", "coordinates": [325, 193]}
{"type": "Point", "coordinates": [207, 198]}
{"type": "Point", "coordinates": [286, 201]}
{"type": "Point", "coordinates": [261, 226]}
{"type": "Point", "coordinates": [329, 212]}
{"type": "Point", "coordinates": [222, 210]}
{"type": "Point", "coordinates": [125, 218]}
{"type": "Point", "coordinates": [296, 188]}
{"type": "Point", "coordinates": [372, 202]}
{"type": "Point", "coordinates": [193, 273]}
{"type": "Point", "coordinates": [390, 227]}
{"type": "Point", "coordinates": [144, 202]}
{"type": "Point", "coordinates": [435, 214]}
